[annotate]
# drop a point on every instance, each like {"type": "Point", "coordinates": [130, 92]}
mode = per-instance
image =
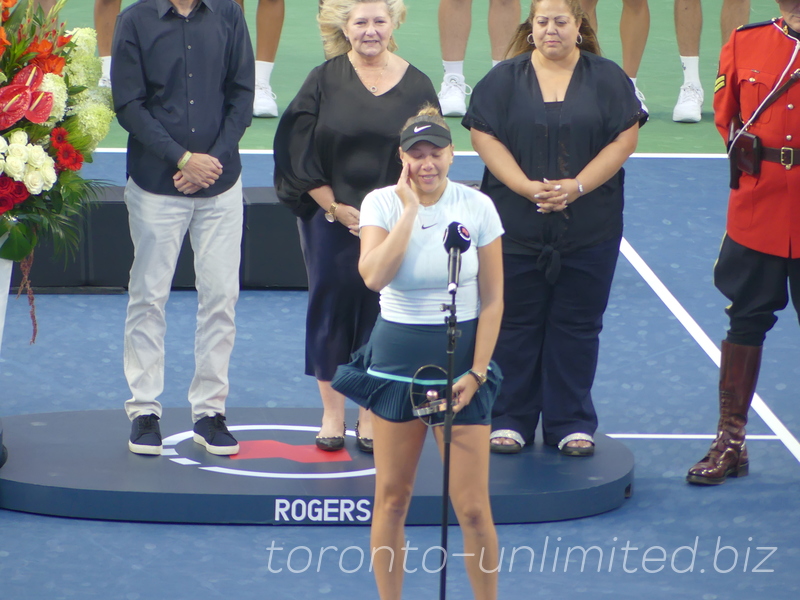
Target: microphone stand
{"type": "Point", "coordinates": [452, 334]}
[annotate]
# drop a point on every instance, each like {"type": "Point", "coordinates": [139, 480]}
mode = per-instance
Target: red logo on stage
{"type": "Point", "coordinates": [301, 454]}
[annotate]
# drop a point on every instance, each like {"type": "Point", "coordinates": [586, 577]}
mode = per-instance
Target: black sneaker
{"type": "Point", "coordinates": [212, 433]}
{"type": "Point", "coordinates": [145, 436]}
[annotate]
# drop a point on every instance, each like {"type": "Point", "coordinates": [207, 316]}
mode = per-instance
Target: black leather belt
{"type": "Point", "coordinates": [788, 157]}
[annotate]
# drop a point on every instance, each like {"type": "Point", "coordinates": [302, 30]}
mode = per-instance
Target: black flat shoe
{"type": "Point", "coordinates": [364, 443]}
{"type": "Point", "coordinates": [331, 444]}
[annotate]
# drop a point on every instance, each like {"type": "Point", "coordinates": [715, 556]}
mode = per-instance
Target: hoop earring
{"type": "Point", "coordinates": [579, 41]}
{"type": "Point", "coordinates": [530, 40]}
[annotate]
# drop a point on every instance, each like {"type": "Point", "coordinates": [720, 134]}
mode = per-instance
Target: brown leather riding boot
{"type": "Point", "coordinates": [727, 456]}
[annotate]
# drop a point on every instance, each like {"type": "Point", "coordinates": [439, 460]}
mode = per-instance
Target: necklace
{"type": "Point", "coordinates": [374, 87]}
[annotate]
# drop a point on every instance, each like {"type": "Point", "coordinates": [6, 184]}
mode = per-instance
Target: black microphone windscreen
{"type": "Point", "coordinates": [457, 236]}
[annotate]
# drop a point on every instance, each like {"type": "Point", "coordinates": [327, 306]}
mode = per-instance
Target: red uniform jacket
{"type": "Point", "coordinates": [764, 213]}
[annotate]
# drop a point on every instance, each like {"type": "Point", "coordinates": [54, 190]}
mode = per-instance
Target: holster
{"type": "Point", "coordinates": [745, 156]}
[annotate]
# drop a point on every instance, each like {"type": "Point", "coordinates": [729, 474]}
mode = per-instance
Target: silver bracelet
{"type": "Point", "coordinates": [580, 187]}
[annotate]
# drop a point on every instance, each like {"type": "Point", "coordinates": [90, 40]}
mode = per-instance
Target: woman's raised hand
{"type": "Point", "coordinates": [404, 191]}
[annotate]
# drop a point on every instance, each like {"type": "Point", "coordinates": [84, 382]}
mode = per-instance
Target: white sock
{"type": "Point", "coordinates": [691, 71]}
{"type": "Point", "coordinates": [105, 61]}
{"type": "Point", "coordinates": [453, 67]}
{"type": "Point", "coordinates": [633, 79]}
{"type": "Point", "coordinates": [495, 62]}
{"type": "Point", "coordinates": [263, 72]}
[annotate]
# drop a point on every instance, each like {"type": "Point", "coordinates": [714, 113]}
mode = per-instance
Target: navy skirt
{"type": "Point", "coordinates": [380, 374]}
{"type": "Point", "coordinates": [341, 309]}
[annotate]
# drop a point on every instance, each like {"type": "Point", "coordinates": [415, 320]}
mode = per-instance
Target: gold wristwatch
{"type": "Point", "coordinates": [330, 216]}
{"type": "Point", "coordinates": [479, 377]}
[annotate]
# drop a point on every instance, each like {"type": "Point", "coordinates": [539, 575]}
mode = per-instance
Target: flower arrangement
{"type": "Point", "coordinates": [52, 117]}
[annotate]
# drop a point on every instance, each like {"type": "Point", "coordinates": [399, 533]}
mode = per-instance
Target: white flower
{"type": "Point", "coordinates": [3, 145]}
{"type": "Point", "coordinates": [33, 181]}
{"type": "Point", "coordinates": [2, 165]}
{"type": "Point", "coordinates": [18, 137]}
{"type": "Point", "coordinates": [48, 172]}
{"type": "Point", "coordinates": [56, 85]}
{"type": "Point", "coordinates": [36, 156]}
{"type": "Point", "coordinates": [15, 168]}
{"type": "Point", "coordinates": [85, 40]}
{"type": "Point", "coordinates": [18, 151]}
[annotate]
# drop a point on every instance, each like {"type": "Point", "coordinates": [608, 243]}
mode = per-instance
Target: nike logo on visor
{"type": "Point", "coordinates": [421, 128]}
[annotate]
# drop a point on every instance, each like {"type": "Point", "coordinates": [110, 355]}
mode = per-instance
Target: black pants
{"type": "Point", "coordinates": [758, 285]}
{"type": "Point", "coordinates": [341, 309]}
{"type": "Point", "coordinates": [549, 342]}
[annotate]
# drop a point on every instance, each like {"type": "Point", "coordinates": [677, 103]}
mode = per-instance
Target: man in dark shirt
{"type": "Point", "coordinates": [183, 83]}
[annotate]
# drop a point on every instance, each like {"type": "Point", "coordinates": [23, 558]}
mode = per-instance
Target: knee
{"type": "Point", "coordinates": [475, 518]}
{"type": "Point", "coordinates": [392, 503]}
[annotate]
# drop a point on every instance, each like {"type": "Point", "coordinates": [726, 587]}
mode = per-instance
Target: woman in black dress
{"type": "Point", "coordinates": [554, 124]}
{"type": "Point", "coordinates": [336, 142]}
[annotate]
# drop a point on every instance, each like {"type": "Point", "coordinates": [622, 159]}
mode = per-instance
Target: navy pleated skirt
{"type": "Point", "coordinates": [380, 374]}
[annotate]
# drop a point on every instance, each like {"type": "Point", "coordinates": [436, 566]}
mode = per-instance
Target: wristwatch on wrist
{"type": "Point", "coordinates": [330, 216]}
{"type": "Point", "coordinates": [479, 377]}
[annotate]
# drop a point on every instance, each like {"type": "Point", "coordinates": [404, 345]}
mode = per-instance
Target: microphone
{"type": "Point", "coordinates": [456, 241]}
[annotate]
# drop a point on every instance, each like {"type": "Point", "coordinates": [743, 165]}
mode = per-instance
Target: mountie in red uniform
{"type": "Point", "coordinates": [759, 259]}
{"type": "Point", "coordinates": [764, 213]}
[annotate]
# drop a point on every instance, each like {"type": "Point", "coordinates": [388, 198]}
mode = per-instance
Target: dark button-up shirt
{"type": "Point", "coordinates": [182, 83]}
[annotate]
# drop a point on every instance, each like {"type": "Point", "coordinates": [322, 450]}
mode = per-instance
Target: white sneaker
{"type": "Point", "coordinates": [689, 108]}
{"type": "Point", "coordinates": [264, 104]}
{"type": "Point", "coordinates": [453, 95]}
{"type": "Point", "coordinates": [105, 82]}
{"type": "Point", "coordinates": [640, 96]}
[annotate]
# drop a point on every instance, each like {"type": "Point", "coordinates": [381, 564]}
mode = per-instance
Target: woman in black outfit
{"type": "Point", "coordinates": [554, 124]}
{"type": "Point", "coordinates": [336, 141]}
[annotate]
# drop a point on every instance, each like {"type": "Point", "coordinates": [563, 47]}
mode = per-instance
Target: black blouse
{"type": "Point", "coordinates": [599, 104]}
{"type": "Point", "coordinates": [336, 132]}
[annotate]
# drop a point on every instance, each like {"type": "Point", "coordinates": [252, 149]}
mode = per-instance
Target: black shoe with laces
{"type": "Point", "coordinates": [145, 436]}
{"type": "Point", "coordinates": [212, 433]}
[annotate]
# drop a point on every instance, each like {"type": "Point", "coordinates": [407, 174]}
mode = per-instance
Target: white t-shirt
{"type": "Point", "coordinates": [419, 288]}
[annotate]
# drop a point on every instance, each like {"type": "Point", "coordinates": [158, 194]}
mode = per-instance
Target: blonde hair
{"type": "Point", "coordinates": [520, 44]}
{"type": "Point", "coordinates": [334, 14]}
{"type": "Point", "coordinates": [429, 114]}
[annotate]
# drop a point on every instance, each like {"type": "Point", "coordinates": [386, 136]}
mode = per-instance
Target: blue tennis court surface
{"type": "Point", "coordinates": [655, 390]}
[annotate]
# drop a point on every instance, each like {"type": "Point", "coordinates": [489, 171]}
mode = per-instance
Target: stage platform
{"type": "Point", "coordinates": [77, 464]}
{"type": "Point", "coordinates": [3, 453]}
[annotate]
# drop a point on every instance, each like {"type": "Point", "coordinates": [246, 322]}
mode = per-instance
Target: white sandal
{"type": "Point", "coordinates": [576, 450]}
{"type": "Point", "coordinates": [510, 434]}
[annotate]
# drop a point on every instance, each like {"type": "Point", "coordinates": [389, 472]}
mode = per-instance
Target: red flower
{"type": "Point", "coordinates": [6, 204]}
{"type": "Point", "coordinates": [19, 193]}
{"type": "Point", "coordinates": [9, 194]}
{"type": "Point", "coordinates": [4, 43]}
{"type": "Point", "coordinates": [58, 137]}
{"type": "Point", "coordinates": [69, 158]}
{"type": "Point", "coordinates": [63, 40]}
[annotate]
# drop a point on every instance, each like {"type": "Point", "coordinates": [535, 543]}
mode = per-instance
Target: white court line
{"type": "Point", "coordinates": [679, 436]}
{"type": "Point", "coordinates": [470, 153]}
{"type": "Point", "coordinates": [763, 411]}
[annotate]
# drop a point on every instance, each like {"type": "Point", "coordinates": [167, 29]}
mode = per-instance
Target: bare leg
{"type": "Point", "coordinates": [688, 25]}
{"type": "Point", "coordinates": [397, 450]}
{"type": "Point", "coordinates": [634, 27]}
{"type": "Point", "coordinates": [455, 21]}
{"type": "Point", "coordinates": [332, 410]}
{"type": "Point", "coordinates": [333, 413]}
{"type": "Point", "coordinates": [503, 21]}
{"type": "Point", "coordinates": [734, 13]}
{"type": "Point", "coordinates": [469, 492]}
{"type": "Point", "coordinates": [590, 8]}
{"type": "Point", "coordinates": [269, 23]}
{"type": "Point", "coordinates": [105, 17]}
{"type": "Point", "coordinates": [46, 5]}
